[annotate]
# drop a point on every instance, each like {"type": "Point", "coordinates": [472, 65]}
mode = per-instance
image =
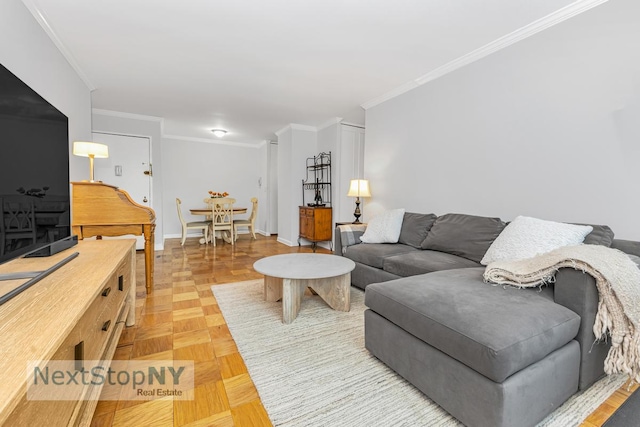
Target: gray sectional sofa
{"type": "Point", "coordinates": [491, 356]}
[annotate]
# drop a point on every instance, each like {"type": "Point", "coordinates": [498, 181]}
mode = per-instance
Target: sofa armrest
{"type": "Point", "coordinates": [578, 292]}
{"type": "Point", "coordinates": [347, 235]}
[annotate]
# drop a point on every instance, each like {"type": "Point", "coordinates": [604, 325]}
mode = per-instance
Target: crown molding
{"type": "Point", "coordinates": [42, 20]}
{"type": "Point", "coordinates": [124, 115]}
{"type": "Point", "coordinates": [391, 94]}
{"type": "Point", "coordinates": [354, 125]}
{"type": "Point", "coordinates": [295, 126]}
{"type": "Point", "coordinates": [210, 141]}
{"type": "Point", "coordinates": [528, 30]}
{"type": "Point", "coordinates": [330, 122]}
{"type": "Point", "coordinates": [282, 130]}
{"type": "Point", "coordinates": [308, 128]}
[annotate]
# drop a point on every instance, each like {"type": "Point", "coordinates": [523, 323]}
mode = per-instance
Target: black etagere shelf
{"type": "Point", "coordinates": [316, 188]}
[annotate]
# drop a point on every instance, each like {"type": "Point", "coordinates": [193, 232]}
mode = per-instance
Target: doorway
{"type": "Point", "coordinates": [128, 167]}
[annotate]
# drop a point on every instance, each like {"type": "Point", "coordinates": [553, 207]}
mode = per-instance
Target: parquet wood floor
{"type": "Point", "coordinates": [181, 320]}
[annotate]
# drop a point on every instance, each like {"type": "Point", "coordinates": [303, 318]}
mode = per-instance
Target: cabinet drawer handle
{"type": "Point", "coordinates": [106, 291]}
{"type": "Point", "coordinates": [79, 355]}
{"type": "Point", "coordinates": [105, 326]}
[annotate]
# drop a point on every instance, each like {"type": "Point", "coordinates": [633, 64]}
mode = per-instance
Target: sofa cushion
{"type": "Point", "coordinates": [526, 237]}
{"type": "Point", "coordinates": [601, 235]}
{"type": "Point", "coordinates": [494, 330]}
{"type": "Point", "coordinates": [373, 254]}
{"type": "Point", "coordinates": [384, 227]}
{"type": "Point", "coordinates": [420, 262]}
{"type": "Point", "coordinates": [415, 227]}
{"type": "Point", "coordinates": [468, 236]}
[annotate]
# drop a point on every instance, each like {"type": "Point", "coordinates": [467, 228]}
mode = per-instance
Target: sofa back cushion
{"type": "Point", "coordinates": [415, 227]}
{"type": "Point", "coordinates": [468, 236]}
{"type": "Point", "coordinates": [601, 235]}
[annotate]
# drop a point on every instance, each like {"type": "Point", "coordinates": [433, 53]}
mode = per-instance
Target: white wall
{"type": "Point", "coordinates": [329, 141]}
{"type": "Point", "coordinates": [191, 169]}
{"type": "Point", "coordinates": [263, 188]}
{"type": "Point", "coordinates": [27, 51]}
{"type": "Point", "coordinates": [295, 144]}
{"type": "Point", "coordinates": [110, 122]}
{"type": "Point", "coordinates": [542, 128]}
{"type": "Point", "coordinates": [346, 144]}
{"type": "Point", "coordinates": [272, 190]}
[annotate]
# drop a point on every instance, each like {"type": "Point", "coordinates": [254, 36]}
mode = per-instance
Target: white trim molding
{"type": "Point", "coordinates": [42, 20]}
{"type": "Point", "coordinates": [284, 241]}
{"type": "Point", "coordinates": [529, 30]}
{"type": "Point", "coordinates": [329, 122]}
{"type": "Point", "coordinates": [210, 141]}
{"type": "Point", "coordinates": [295, 126]}
{"type": "Point", "coordinates": [282, 130]}
{"type": "Point", "coordinates": [124, 115]}
{"type": "Point", "coordinates": [308, 128]}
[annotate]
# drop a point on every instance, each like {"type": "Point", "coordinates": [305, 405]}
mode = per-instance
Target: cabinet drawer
{"type": "Point", "coordinates": [310, 212]}
{"type": "Point", "coordinates": [86, 341]}
{"type": "Point", "coordinates": [303, 212]}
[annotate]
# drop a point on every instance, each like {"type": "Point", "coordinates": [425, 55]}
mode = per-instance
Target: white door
{"type": "Point", "coordinates": [129, 159]}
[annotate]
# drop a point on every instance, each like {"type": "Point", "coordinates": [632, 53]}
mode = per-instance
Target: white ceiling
{"type": "Point", "coordinates": [254, 66]}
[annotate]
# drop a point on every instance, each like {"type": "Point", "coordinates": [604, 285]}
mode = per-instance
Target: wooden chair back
{"type": "Point", "coordinates": [222, 216]}
{"type": "Point", "coordinates": [19, 220]}
{"type": "Point", "coordinates": [254, 210]}
{"type": "Point", "coordinates": [179, 207]}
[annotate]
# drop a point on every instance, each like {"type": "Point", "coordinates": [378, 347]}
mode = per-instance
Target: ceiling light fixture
{"type": "Point", "coordinates": [219, 132]}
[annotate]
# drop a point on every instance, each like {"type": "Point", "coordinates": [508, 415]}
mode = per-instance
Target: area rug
{"type": "Point", "coordinates": [317, 372]}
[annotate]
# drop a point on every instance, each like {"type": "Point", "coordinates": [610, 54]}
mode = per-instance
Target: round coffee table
{"type": "Point", "coordinates": [287, 276]}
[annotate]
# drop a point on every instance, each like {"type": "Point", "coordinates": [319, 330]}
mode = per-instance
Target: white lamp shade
{"type": "Point", "coordinates": [86, 149]}
{"type": "Point", "coordinates": [359, 188]}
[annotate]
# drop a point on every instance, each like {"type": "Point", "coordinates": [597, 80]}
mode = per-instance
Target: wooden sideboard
{"type": "Point", "coordinates": [83, 305]}
{"type": "Point", "coordinates": [315, 224]}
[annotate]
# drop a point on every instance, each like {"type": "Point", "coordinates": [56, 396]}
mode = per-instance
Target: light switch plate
{"type": "Point", "coordinates": [118, 170]}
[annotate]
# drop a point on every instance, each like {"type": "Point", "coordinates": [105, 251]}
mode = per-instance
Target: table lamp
{"type": "Point", "coordinates": [91, 150]}
{"type": "Point", "coordinates": [358, 188]}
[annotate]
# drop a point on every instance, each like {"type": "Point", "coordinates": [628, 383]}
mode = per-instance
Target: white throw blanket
{"type": "Point", "coordinates": [618, 281]}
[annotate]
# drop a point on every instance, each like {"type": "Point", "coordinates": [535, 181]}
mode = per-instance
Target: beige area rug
{"type": "Point", "coordinates": [317, 372]}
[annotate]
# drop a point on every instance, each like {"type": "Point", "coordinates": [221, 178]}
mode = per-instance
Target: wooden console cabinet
{"type": "Point", "coordinates": [76, 313]}
{"type": "Point", "coordinates": [315, 224]}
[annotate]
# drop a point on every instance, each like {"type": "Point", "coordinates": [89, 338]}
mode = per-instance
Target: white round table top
{"type": "Point", "coordinates": [304, 266]}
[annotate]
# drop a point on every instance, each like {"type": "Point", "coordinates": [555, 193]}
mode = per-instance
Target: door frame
{"type": "Point", "coordinates": [132, 135]}
{"type": "Point", "coordinates": [139, 239]}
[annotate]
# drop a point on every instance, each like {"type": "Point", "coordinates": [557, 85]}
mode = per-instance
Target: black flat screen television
{"type": "Point", "coordinates": [34, 170]}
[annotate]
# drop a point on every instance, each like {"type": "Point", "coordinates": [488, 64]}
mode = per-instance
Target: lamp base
{"type": "Point", "coordinates": [357, 212]}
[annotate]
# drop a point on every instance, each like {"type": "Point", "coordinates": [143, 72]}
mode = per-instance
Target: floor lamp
{"type": "Point", "coordinates": [358, 188]}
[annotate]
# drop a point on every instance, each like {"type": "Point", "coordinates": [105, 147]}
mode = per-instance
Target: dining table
{"type": "Point", "coordinates": [206, 211]}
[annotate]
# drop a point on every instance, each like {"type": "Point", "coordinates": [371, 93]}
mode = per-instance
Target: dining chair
{"type": "Point", "coordinates": [249, 222]}
{"type": "Point", "coordinates": [19, 221]}
{"type": "Point", "coordinates": [194, 225]}
{"type": "Point", "coordinates": [222, 217]}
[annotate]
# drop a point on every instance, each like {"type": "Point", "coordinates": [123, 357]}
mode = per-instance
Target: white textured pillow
{"type": "Point", "coordinates": [527, 237]}
{"type": "Point", "coordinates": [384, 228]}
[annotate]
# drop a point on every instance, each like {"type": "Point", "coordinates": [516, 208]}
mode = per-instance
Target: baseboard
{"type": "Point", "coordinates": [285, 242]}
